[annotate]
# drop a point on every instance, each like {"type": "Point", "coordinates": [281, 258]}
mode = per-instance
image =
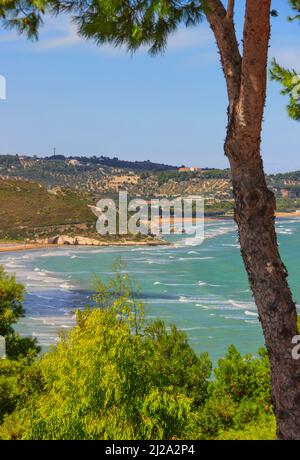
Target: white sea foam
{"type": "Point", "coordinates": [202, 283]}
{"type": "Point", "coordinates": [183, 299]}
{"type": "Point", "coordinates": [251, 313]}
{"type": "Point", "coordinates": [67, 286]}
{"type": "Point", "coordinates": [231, 245]}
{"type": "Point", "coordinates": [242, 305]}
{"type": "Point", "coordinates": [182, 259]}
{"type": "Point", "coordinates": [212, 303]}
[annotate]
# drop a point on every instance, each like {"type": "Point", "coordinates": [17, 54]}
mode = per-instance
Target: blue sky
{"type": "Point", "coordinates": [66, 93]}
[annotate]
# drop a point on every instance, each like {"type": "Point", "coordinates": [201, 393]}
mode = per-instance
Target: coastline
{"type": "Point", "coordinates": [21, 246]}
{"type": "Point", "coordinates": [13, 247]}
{"type": "Point", "coordinates": [230, 217]}
{"type": "Point", "coordinates": [287, 214]}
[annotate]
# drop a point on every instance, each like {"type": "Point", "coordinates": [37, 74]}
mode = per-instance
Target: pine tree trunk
{"type": "Point", "coordinates": [254, 215]}
{"type": "Point", "coordinates": [246, 77]}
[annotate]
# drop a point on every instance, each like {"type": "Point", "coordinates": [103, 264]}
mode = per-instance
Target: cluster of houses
{"type": "Point", "coordinates": [192, 169]}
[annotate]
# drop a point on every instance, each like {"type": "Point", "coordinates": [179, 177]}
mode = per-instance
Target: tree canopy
{"type": "Point", "coordinates": [290, 81]}
{"type": "Point", "coordinates": [133, 23]}
{"type": "Point", "coordinates": [23, 15]}
{"type": "Point", "coordinates": [11, 310]}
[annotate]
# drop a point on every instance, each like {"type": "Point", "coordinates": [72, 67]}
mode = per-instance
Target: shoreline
{"type": "Point", "coordinates": [14, 247]}
{"type": "Point", "coordinates": [287, 214]}
{"type": "Point", "coordinates": [21, 246]}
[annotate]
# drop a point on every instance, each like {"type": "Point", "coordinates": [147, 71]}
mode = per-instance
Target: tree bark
{"type": "Point", "coordinates": [255, 203]}
{"type": "Point", "coordinates": [254, 215]}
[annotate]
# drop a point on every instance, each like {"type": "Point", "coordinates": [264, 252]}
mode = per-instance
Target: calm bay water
{"type": "Point", "coordinates": [203, 288]}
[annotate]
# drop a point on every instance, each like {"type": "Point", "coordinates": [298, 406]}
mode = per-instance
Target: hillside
{"type": "Point", "coordinates": [114, 163]}
{"type": "Point", "coordinates": [92, 177]}
{"type": "Point", "coordinates": [28, 210]}
{"type": "Point", "coordinates": [106, 176]}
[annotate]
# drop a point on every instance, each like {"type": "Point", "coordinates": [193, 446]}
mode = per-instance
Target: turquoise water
{"type": "Point", "coordinates": [202, 288]}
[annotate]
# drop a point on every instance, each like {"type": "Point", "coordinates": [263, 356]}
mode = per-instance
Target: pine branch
{"type": "Point", "coordinates": [256, 38]}
{"type": "Point", "coordinates": [225, 35]}
{"type": "Point", "coordinates": [290, 82]}
{"type": "Point", "coordinates": [230, 9]}
{"type": "Point", "coordinates": [23, 15]}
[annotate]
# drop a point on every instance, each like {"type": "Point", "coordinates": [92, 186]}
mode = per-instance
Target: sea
{"type": "Point", "coordinates": [200, 286]}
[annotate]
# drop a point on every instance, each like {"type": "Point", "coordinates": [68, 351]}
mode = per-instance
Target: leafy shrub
{"type": "Point", "coordinates": [239, 393]}
{"type": "Point", "coordinates": [115, 376]}
{"type": "Point", "coordinates": [11, 310]}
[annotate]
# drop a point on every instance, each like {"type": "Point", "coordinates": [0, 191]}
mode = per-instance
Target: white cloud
{"type": "Point", "coordinates": [287, 57]}
{"type": "Point", "coordinates": [66, 36]}
{"type": "Point", "coordinates": [60, 33]}
{"type": "Point", "coordinates": [187, 38]}
{"type": "Point", "coordinates": [6, 38]}
{"type": "Point", "coordinates": [56, 32]}
{"type": "Point", "coordinates": [63, 36]}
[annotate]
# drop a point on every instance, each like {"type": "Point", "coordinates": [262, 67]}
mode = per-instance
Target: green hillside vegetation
{"type": "Point", "coordinates": [294, 175]}
{"type": "Point", "coordinates": [98, 176]}
{"type": "Point", "coordinates": [28, 209]}
{"type": "Point", "coordinates": [115, 162]}
{"type": "Point", "coordinates": [287, 204]}
{"type": "Point", "coordinates": [219, 208]}
{"type": "Point", "coordinates": [180, 176]}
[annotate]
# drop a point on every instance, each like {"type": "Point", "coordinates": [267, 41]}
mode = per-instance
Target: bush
{"type": "Point", "coordinates": [15, 378]}
{"type": "Point", "coordinates": [11, 310]}
{"type": "Point", "coordinates": [115, 376]}
{"type": "Point", "coordinates": [101, 382]}
{"type": "Point", "coordinates": [240, 394]}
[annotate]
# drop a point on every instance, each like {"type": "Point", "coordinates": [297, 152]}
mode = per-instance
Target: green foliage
{"type": "Point", "coordinates": [119, 295]}
{"type": "Point", "coordinates": [181, 176]}
{"type": "Point", "coordinates": [9, 387]}
{"type": "Point", "coordinates": [24, 16]}
{"type": "Point", "coordinates": [263, 429]}
{"type": "Point", "coordinates": [218, 207]}
{"type": "Point", "coordinates": [293, 175]}
{"type": "Point", "coordinates": [175, 363]}
{"type": "Point", "coordinates": [19, 381]}
{"type": "Point", "coordinates": [105, 382]}
{"type": "Point", "coordinates": [99, 383]}
{"type": "Point", "coordinates": [132, 22]}
{"type": "Point", "coordinates": [287, 204]}
{"type": "Point", "coordinates": [295, 5]}
{"type": "Point", "coordinates": [20, 352]}
{"type": "Point", "coordinates": [28, 209]}
{"type": "Point", "coordinates": [11, 298]}
{"type": "Point", "coordinates": [114, 376]}
{"type": "Point", "coordinates": [290, 81]}
{"type": "Point", "coordinates": [239, 395]}
{"type": "Point", "coordinates": [11, 310]}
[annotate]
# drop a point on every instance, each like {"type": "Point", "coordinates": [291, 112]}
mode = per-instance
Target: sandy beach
{"type": "Point", "coordinates": [12, 247]}
{"type": "Point", "coordinates": [21, 246]}
{"type": "Point", "coordinates": [217, 218]}
{"type": "Point", "coordinates": [287, 214]}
